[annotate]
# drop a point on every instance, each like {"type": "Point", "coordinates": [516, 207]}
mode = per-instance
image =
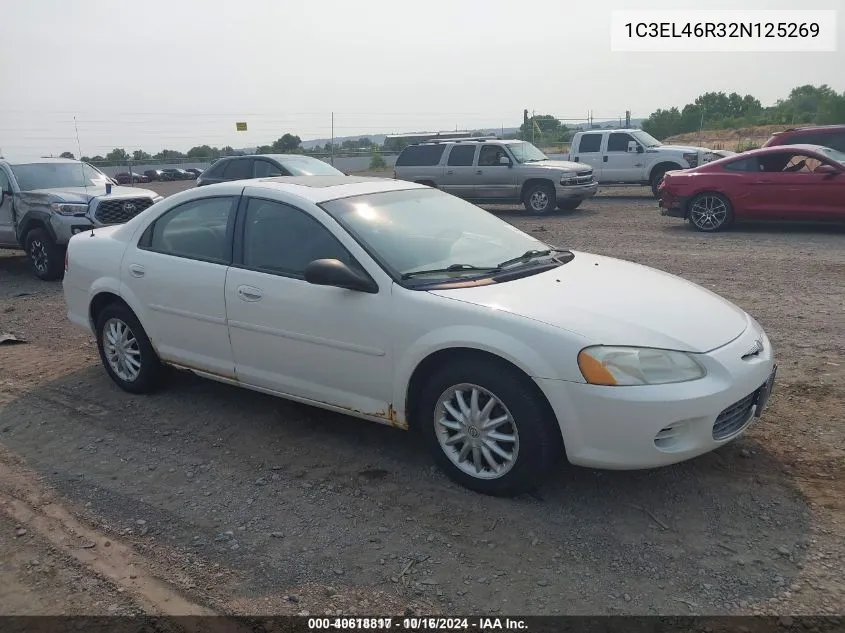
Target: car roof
{"type": "Point", "coordinates": [812, 128]}
{"type": "Point", "coordinates": [35, 161]}
{"type": "Point", "coordinates": [775, 149]}
{"type": "Point", "coordinates": [278, 157]}
{"type": "Point", "coordinates": [318, 189]}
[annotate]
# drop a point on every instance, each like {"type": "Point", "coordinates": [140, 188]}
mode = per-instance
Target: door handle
{"type": "Point", "coordinates": [604, 159]}
{"type": "Point", "coordinates": [449, 173]}
{"type": "Point", "coordinates": [136, 270]}
{"type": "Point", "coordinates": [575, 159]}
{"type": "Point", "coordinates": [478, 171]}
{"type": "Point", "coordinates": [249, 293]}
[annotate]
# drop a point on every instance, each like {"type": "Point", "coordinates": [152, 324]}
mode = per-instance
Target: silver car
{"type": "Point", "coordinates": [494, 171]}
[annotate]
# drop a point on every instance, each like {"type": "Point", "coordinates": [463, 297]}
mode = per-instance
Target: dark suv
{"type": "Point", "coordinates": [832, 136]}
{"type": "Point", "coordinates": [265, 166]}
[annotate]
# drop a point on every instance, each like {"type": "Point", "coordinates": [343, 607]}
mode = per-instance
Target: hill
{"type": "Point", "coordinates": [734, 139]}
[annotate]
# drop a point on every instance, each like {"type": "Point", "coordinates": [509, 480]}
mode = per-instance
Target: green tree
{"type": "Point", "coordinates": [168, 154]}
{"type": "Point", "coordinates": [287, 144]}
{"type": "Point", "coordinates": [203, 151]}
{"type": "Point", "coordinates": [546, 126]}
{"type": "Point", "coordinates": [376, 159]}
{"type": "Point", "coordinates": [117, 156]}
{"type": "Point", "coordinates": [66, 155]}
{"type": "Point", "coordinates": [140, 155]}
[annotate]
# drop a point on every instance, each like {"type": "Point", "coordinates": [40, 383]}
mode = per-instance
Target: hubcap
{"type": "Point", "coordinates": [39, 256]}
{"type": "Point", "coordinates": [476, 431]}
{"type": "Point", "coordinates": [121, 350]}
{"type": "Point", "coordinates": [708, 212]}
{"type": "Point", "coordinates": [539, 200]}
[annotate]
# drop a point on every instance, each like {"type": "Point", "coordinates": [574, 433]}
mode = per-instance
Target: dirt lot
{"type": "Point", "coordinates": [205, 498]}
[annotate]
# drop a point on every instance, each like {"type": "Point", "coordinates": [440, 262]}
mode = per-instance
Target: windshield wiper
{"type": "Point", "coordinates": [450, 269]}
{"type": "Point", "coordinates": [527, 256]}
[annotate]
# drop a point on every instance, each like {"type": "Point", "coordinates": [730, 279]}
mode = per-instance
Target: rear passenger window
{"type": "Point", "coordinates": [590, 143]}
{"type": "Point", "coordinates": [835, 141]}
{"type": "Point", "coordinates": [238, 169]}
{"type": "Point", "coordinates": [195, 230]}
{"type": "Point", "coordinates": [461, 155]}
{"type": "Point", "coordinates": [420, 156]}
{"type": "Point", "coordinates": [743, 164]}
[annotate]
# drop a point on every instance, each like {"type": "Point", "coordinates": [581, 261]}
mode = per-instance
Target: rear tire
{"type": "Point", "coordinates": [540, 199]}
{"type": "Point", "coordinates": [710, 212]}
{"type": "Point", "coordinates": [568, 205]}
{"type": "Point", "coordinates": [657, 178]}
{"type": "Point", "coordinates": [45, 256]}
{"type": "Point", "coordinates": [522, 446]}
{"type": "Point", "coordinates": [126, 351]}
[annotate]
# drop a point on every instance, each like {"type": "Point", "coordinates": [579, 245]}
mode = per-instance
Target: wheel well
{"type": "Point", "coordinates": [445, 356]}
{"type": "Point", "coordinates": [530, 183]}
{"type": "Point", "coordinates": [662, 167]}
{"type": "Point", "coordinates": [99, 303]}
{"type": "Point", "coordinates": [31, 225]}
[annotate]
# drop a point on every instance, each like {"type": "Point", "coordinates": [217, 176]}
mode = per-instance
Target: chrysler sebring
{"type": "Point", "coordinates": [401, 304]}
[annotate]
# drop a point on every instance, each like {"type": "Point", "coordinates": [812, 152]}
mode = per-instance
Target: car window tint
{"type": "Point", "coordinates": [266, 169]}
{"type": "Point", "coordinates": [589, 144]}
{"type": "Point", "coordinates": [278, 238]}
{"type": "Point", "coordinates": [743, 164]}
{"type": "Point", "coordinates": [197, 230]}
{"type": "Point", "coordinates": [4, 181]}
{"type": "Point", "coordinates": [489, 156]}
{"type": "Point", "coordinates": [216, 169]}
{"type": "Point", "coordinates": [238, 169]}
{"type": "Point", "coordinates": [834, 141]}
{"type": "Point", "coordinates": [420, 156]}
{"type": "Point", "coordinates": [461, 155]}
{"type": "Point", "coordinates": [618, 142]}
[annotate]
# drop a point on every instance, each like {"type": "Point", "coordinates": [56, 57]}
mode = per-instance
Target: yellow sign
{"type": "Point", "coordinates": [240, 126]}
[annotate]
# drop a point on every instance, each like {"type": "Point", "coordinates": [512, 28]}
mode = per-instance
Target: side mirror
{"type": "Point", "coordinates": [632, 147]}
{"type": "Point", "coordinates": [826, 170]}
{"type": "Point", "coordinates": [333, 272]}
{"type": "Point", "coordinates": [504, 160]}
{"type": "Point", "coordinates": [3, 194]}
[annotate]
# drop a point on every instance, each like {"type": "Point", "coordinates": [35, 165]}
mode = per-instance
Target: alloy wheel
{"type": "Point", "coordinates": [122, 351]}
{"type": "Point", "coordinates": [708, 212]}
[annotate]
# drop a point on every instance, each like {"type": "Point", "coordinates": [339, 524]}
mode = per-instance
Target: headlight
{"type": "Point", "coordinates": [624, 366]}
{"type": "Point", "coordinates": [63, 208]}
{"type": "Point", "coordinates": [691, 158]}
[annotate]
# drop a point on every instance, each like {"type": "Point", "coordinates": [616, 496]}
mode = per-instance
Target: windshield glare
{"type": "Point", "coordinates": [526, 152]}
{"type": "Point", "coordinates": [834, 154]}
{"type": "Point", "coordinates": [57, 175]}
{"type": "Point", "coordinates": [312, 167]}
{"type": "Point", "coordinates": [422, 229]}
{"type": "Point", "coordinates": [646, 139]}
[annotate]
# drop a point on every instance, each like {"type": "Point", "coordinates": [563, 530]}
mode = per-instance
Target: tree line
{"type": "Point", "coordinates": [712, 110]}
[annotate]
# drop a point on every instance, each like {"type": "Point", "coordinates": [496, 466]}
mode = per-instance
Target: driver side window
{"type": "Point", "coordinates": [490, 155]}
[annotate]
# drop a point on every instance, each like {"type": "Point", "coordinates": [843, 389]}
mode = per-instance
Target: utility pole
{"type": "Point", "coordinates": [524, 122]}
{"type": "Point", "coordinates": [533, 126]}
{"type": "Point", "coordinates": [627, 118]}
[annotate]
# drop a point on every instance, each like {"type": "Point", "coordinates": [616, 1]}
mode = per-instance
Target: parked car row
{"type": "Point", "coordinates": [398, 303]}
{"type": "Point", "coordinates": [173, 173]}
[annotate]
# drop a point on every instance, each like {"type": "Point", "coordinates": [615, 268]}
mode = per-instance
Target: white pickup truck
{"type": "Point", "coordinates": [632, 156]}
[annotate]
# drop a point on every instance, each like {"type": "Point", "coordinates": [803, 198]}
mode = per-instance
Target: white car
{"type": "Point", "coordinates": [402, 304]}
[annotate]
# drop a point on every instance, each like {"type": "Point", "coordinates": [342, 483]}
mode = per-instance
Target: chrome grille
{"type": "Point", "coordinates": [584, 178]}
{"type": "Point", "coordinates": [120, 210]}
{"type": "Point", "coordinates": [734, 418]}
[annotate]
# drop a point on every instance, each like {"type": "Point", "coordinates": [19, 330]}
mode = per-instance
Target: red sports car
{"type": "Point", "coordinates": [791, 182]}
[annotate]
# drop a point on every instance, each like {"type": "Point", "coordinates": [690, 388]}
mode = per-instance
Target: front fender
{"type": "Point", "coordinates": [468, 337]}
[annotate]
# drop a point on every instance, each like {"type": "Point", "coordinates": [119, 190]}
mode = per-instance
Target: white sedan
{"type": "Point", "coordinates": [401, 304]}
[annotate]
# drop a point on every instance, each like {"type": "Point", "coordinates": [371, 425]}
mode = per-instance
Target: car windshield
{"type": "Point", "coordinates": [428, 230]}
{"type": "Point", "coordinates": [526, 153]}
{"type": "Point", "coordinates": [833, 154]}
{"type": "Point", "coordinates": [646, 139]}
{"type": "Point", "coordinates": [34, 176]}
{"type": "Point", "coordinates": [310, 167]}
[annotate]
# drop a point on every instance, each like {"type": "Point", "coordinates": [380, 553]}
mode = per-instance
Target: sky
{"type": "Point", "coordinates": [162, 74]}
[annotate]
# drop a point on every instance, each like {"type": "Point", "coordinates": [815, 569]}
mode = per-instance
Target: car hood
{"type": "Point", "coordinates": [686, 149]}
{"type": "Point", "coordinates": [85, 195]}
{"type": "Point", "coordinates": [560, 165]}
{"type": "Point", "coordinates": [613, 302]}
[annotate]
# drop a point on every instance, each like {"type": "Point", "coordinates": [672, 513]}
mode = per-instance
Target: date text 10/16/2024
{"type": "Point", "coordinates": [481, 624]}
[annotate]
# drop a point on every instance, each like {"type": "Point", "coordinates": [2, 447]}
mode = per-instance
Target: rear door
{"type": "Point", "coordinates": [176, 274]}
{"type": "Point", "coordinates": [459, 178]}
{"type": "Point", "coordinates": [494, 181]}
{"type": "Point", "coordinates": [589, 152]}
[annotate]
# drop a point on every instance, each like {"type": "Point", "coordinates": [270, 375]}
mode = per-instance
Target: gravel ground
{"type": "Point", "coordinates": [244, 503]}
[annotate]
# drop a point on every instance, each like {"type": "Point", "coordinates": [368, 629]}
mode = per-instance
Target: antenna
{"type": "Point", "coordinates": [81, 164]}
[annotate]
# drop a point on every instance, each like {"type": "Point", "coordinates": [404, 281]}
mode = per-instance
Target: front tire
{"type": "Point", "coordinates": [487, 428]}
{"type": "Point", "coordinates": [710, 212]}
{"type": "Point", "coordinates": [540, 199]}
{"type": "Point", "coordinates": [126, 352]}
{"type": "Point", "coordinates": [569, 205]}
{"type": "Point", "coordinates": [45, 256]}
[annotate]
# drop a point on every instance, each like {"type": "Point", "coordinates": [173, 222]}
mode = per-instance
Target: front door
{"type": "Point", "coordinates": [620, 165]}
{"type": "Point", "coordinates": [459, 177]}
{"type": "Point", "coordinates": [790, 190]}
{"type": "Point", "coordinates": [176, 276]}
{"type": "Point", "coordinates": [318, 343]}
{"type": "Point", "coordinates": [494, 180]}
{"type": "Point", "coordinates": [7, 219]}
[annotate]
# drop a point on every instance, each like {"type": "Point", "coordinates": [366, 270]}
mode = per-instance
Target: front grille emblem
{"type": "Point", "coordinates": [755, 349]}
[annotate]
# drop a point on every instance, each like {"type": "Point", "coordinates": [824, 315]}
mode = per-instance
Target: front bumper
{"type": "Point", "coordinates": [623, 428]}
{"type": "Point", "coordinates": [579, 192]}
